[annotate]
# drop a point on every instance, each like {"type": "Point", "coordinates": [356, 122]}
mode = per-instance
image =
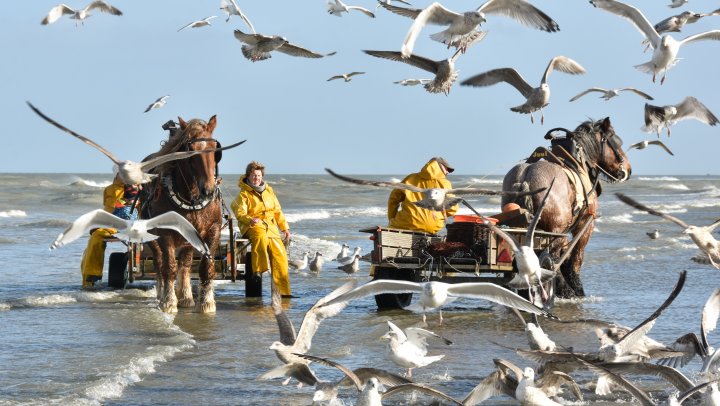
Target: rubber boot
{"type": "Point", "coordinates": [91, 266]}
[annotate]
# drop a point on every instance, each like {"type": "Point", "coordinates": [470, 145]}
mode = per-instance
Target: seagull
{"type": "Point", "coordinates": [530, 273]}
{"type": "Point", "coordinates": [609, 94]}
{"type": "Point", "coordinates": [677, 22]}
{"type": "Point", "coordinates": [337, 7]}
{"type": "Point", "coordinates": [412, 82]}
{"type": "Point", "coordinates": [157, 103]}
{"type": "Point", "coordinates": [352, 267]}
{"type": "Point", "coordinates": [200, 23]}
{"type": "Point", "coordinates": [657, 117]}
{"type": "Point", "coordinates": [231, 8]}
{"type": "Point", "coordinates": [463, 25]}
{"type": "Point", "coordinates": [408, 348]}
{"type": "Point", "coordinates": [131, 230]}
{"type": "Point", "coordinates": [644, 144]}
{"type": "Point", "coordinates": [317, 262]}
{"type": "Point", "coordinates": [131, 173]}
{"type": "Point", "coordinates": [343, 251]}
{"type": "Point", "coordinates": [654, 234]}
{"type": "Point", "coordinates": [677, 3]}
{"type": "Point", "coordinates": [665, 47]}
{"type": "Point", "coordinates": [349, 258]}
{"type": "Point", "coordinates": [537, 339]}
{"type": "Point", "coordinates": [80, 15]}
{"type": "Point", "coordinates": [346, 76]}
{"type": "Point", "coordinates": [299, 264]}
{"type": "Point", "coordinates": [257, 47]}
{"type": "Point", "coordinates": [327, 392]}
{"type": "Point", "coordinates": [434, 295]}
{"type": "Point", "coordinates": [444, 70]}
{"type": "Point", "coordinates": [537, 97]}
{"type": "Point", "coordinates": [434, 198]}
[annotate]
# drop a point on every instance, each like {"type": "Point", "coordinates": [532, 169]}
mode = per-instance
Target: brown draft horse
{"type": "Point", "coordinates": [187, 186]}
{"type": "Point", "coordinates": [600, 150]}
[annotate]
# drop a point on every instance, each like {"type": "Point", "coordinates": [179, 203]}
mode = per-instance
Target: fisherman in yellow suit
{"type": "Point", "coordinates": [403, 214]}
{"type": "Point", "coordinates": [117, 199]}
{"type": "Point", "coordinates": [262, 221]}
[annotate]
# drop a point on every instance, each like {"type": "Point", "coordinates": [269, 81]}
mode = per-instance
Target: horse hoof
{"type": "Point", "coordinates": [186, 303]}
{"type": "Point", "coordinates": [208, 307]}
{"type": "Point", "coordinates": [168, 308]}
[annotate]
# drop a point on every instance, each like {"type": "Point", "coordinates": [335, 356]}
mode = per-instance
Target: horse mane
{"type": "Point", "coordinates": [584, 135]}
{"type": "Point", "coordinates": [177, 141]}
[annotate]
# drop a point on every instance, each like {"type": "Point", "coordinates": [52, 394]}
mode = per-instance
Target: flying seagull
{"type": "Point", "coordinates": [131, 230]}
{"type": "Point", "coordinates": [346, 76]}
{"type": "Point", "coordinates": [200, 23]}
{"type": "Point", "coordinates": [701, 235]}
{"type": "Point", "coordinates": [81, 14]}
{"type": "Point", "coordinates": [536, 97]}
{"type": "Point", "coordinates": [337, 7]}
{"type": "Point", "coordinates": [131, 173]}
{"type": "Point", "coordinates": [665, 47]}
{"type": "Point", "coordinates": [434, 198]}
{"type": "Point", "coordinates": [657, 117]}
{"type": "Point", "coordinates": [463, 25]}
{"type": "Point", "coordinates": [412, 82]}
{"type": "Point", "coordinates": [231, 8]}
{"type": "Point", "coordinates": [257, 47]}
{"type": "Point", "coordinates": [677, 22]}
{"type": "Point", "coordinates": [157, 103]}
{"type": "Point", "coordinates": [644, 144]}
{"type": "Point", "coordinates": [408, 348]}
{"type": "Point", "coordinates": [608, 94]}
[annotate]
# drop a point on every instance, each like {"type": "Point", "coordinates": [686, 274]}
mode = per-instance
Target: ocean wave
{"type": "Point", "coordinates": [4, 240]}
{"type": "Point", "coordinates": [673, 186]}
{"type": "Point", "coordinates": [659, 179]}
{"type": "Point", "coordinates": [51, 223]}
{"type": "Point", "coordinates": [620, 218]}
{"type": "Point", "coordinates": [13, 213]}
{"type": "Point", "coordinates": [302, 243]}
{"type": "Point", "coordinates": [5, 306]}
{"type": "Point", "coordinates": [47, 300]}
{"type": "Point", "coordinates": [90, 183]}
{"type": "Point", "coordinates": [483, 181]}
{"type": "Point", "coordinates": [579, 300]}
{"type": "Point", "coordinates": [374, 211]}
{"type": "Point", "coordinates": [310, 215]}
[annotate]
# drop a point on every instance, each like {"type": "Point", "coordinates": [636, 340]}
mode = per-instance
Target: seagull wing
{"type": "Point", "coordinates": [709, 318]}
{"type": "Point", "coordinates": [654, 115]}
{"type": "Point", "coordinates": [592, 89]}
{"type": "Point", "coordinates": [173, 221]}
{"type": "Point", "coordinates": [394, 185]}
{"type": "Point", "coordinates": [384, 377]}
{"type": "Point", "coordinates": [250, 39]}
{"type": "Point", "coordinates": [362, 10]}
{"type": "Point", "coordinates": [57, 12]}
{"type": "Point", "coordinates": [76, 135]}
{"type": "Point", "coordinates": [495, 384]}
{"type": "Point", "coordinates": [670, 374]}
{"type": "Point", "coordinates": [301, 372]}
{"type": "Point", "coordinates": [351, 74]}
{"type": "Point", "coordinates": [104, 7]}
{"type": "Point", "coordinates": [618, 380]}
{"type": "Point", "coordinates": [661, 144]}
{"type": "Point", "coordinates": [432, 14]}
{"type": "Point", "coordinates": [633, 15]}
{"type": "Point", "coordinates": [690, 346]}
{"type": "Point", "coordinates": [692, 108]}
{"type": "Point", "coordinates": [562, 64]}
{"type": "Point", "coordinates": [414, 60]}
{"type": "Point", "coordinates": [494, 293]}
{"type": "Point", "coordinates": [95, 219]}
{"type": "Point", "coordinates": [335, 77]}
{"type": "Point", "coordinates": [243, 16]}
{"type": "Point", "coordinates": [514, 243]}
{"type": "Point", "coordinates": [637, 92]}
{"type": "Point", "coordinates": [474, 191]}
{"type": "Point", "coordinates": [405, 387]}
{"type": "Point", "coordinates": [285, 325]}
{"type": "Point", "coordinates": [377, 287]}
{"type": "Point", "coordinates": [509, 75]}
{"type": "Point", "coordinates": [555, 379]}
{"type": "Point", "coordinates": [402, 11]}
{"type": "Point", "coordinates": [345, 370]}
{"type": "Point", "coordinates": [522, 12]}
{"type": "Point", "coordinates": [685, 395]}
{"type": "Point", "coordinates": [419, 336]}
{"type": "Point", "coordinates": [294, 50]}
{"type": "Point", "coordinates": [629, 201]}
{"type": "Point", "coordinates": [318, 313]}
{"type": "Point", "coordinates": [185, 26]}
{"type": "Point", "coordinates": [713, 35]}
{"type": "Point", "coordinates": [530, 234]}
{"type": "Point", "coordinates": [172, 156]}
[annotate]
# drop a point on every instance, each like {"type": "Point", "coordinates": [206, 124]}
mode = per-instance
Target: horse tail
{"type": "Point", "coordinates": [515, 181]}
{"type": "Point", "coordinates": [525, 201]}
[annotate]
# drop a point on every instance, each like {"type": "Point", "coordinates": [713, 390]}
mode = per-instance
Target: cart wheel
{"type": "Point", "coordinates": [389, 301]}
{"type": "Point", "coordinates": [253, 281]}
{"type": "Point", "coordinates": [118, 270]}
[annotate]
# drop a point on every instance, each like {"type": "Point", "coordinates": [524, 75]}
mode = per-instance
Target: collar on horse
{"type": "Point", "coordinates": [181, 202]}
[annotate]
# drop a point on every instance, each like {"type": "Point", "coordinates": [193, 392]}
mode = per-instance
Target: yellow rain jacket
{"type": "Point", "coordinates": [403, 214]}
{"type": "Point", "coordinates": [268, 251]}
{"type": "Point", "coordinates": [93, 258]}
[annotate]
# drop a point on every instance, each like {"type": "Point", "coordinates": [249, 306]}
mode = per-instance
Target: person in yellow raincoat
{"type": "Point", "coordinates": [262, 221]}
{"type": "Point", "coordinates": [403, 214]}
{"type": "Point", "coordinates": [117, 199]}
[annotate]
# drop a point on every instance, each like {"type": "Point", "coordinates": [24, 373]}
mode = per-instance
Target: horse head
{"type": "Point", "coordinates": [604, 149]}
{"type": "Point", "coordinates": [197, 136]}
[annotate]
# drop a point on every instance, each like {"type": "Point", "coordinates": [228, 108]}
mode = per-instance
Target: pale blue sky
{"type": "Point", "coordinates": [98, 78]}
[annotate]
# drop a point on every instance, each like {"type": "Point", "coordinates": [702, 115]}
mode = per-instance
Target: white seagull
{"type": "Point", "coordinates": [408, 348]}
{"type": "Point", "coordinates": [434, 198]}
{"type": "Point", "coordinates": [644, 144]}
{"type": "Point", "coordinates": [81, 14]}
{"type": "Point", "coordinates": [349, 258]}
{"type": "Point", "coordinates": [608, 94]}
{"type": "Point", "coordinates": [654, 234]}
{"type": "Point", "coordinates": [463, 25]}
{"type": "Point", "coordinates": [231, 8]}
{"type": "Point", "coordinates": [412, 82]}
{"type": "Point", "coordinates": [657, 117]}
{"type": "Point", "coordinates": [665, 47]}
{"type": "Point", "coordinates": [677, 22]}
{"type": "Point", "coordinates": [257, 47]}
{"type": "Point", "coordinates": [677, 3]}
{"type": "Point", "coordinates": [299, 264]}
{"type": "Point", "coordinates": [343, 251]}
{"type": "Point", "coordinates": [157, 103]}
{"type": "Point", "coordinates": [351, 267]}
{"type": "Point", "coordinates": [434, 295]}
{"type": "Point", "coordinates": [346, 76]}
{"type": "Point", "coordinates": [131, 173]}
{"type": "Point", "coordinates": [337, 7]}
{"type": "Point", "coordinates": [131, 230]}
{"type": "Point", "coordinates": [536, 97]}
{"type": "Point", "coordinates": [200, 23]}
{"type": "Point", "coordinates": [317, 262]}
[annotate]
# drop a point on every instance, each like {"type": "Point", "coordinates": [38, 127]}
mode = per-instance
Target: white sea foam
{"type": "Point", "coordinates": [578, 300]}
{"type": "Point", "coordinates": [91, 183]}
{"type": "Point", "coordinates": [375, 211]}
{"type": "Point", "coordinates": [48, 300]}
{"type": "Point", "coordinates": [659, 179]}
{"type": "Point", "coordinates": [13, 213]}
{"type": "Point", "coordinates": [5, 306]}
{"type": "Point", "coordinates": [483, 181]}
{"type": "Point", "coordinates": [620, 218]}
{"type": "Point", "coordinates": [311, 215]}
{"type": "Point", "coordinates": [674, 186]}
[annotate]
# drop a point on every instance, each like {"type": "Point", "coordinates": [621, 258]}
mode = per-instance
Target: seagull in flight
{"type": "Point", "coordinates": [412, 82]}
{"type": "Point", "coordinates": [257, 47]}
{"type": "Point", "coordinates": [434, 198]}
{"type": "Point", "coordinates": [346, 76]}
{"type": "Point", "coordinates": [677, 22]}
{"type": "Point", "coordinates": [408, 348]}
{"type": "Point", "coordinates": [131, 173]}
{"type": "Point", "coordinates": [700, 235]}
{"type": "Point", "coordinates": [337, 7]}
{"type": "Point", "coordinates": [644, 144]}
{"type": "Point", "coordinates": [131, 230]}
{"type": "Point", "coordinates": [657, 117]}
{"type": "Point", "coordinates": [200, 23]}
{"type": "Point", "coordinates": [81, 14]}
{"type": "Point", "coordinates": [608, 94]}
{"type": "Point", "coordinates": [536, 97]}
{"type": "Point", "coordinates": [462, 25]}
{"type": "Point", "coordinates": [231, 8]}
{"type": "Point", "coordinates": [665, 47]}
{"type": "Point", "coordinates": [157, 103]}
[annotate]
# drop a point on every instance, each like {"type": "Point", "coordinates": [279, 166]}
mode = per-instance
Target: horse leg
{"type": "Point", "coordinates": [184, 288]}
{"type": "Point", "coordinates": [570, 269]}
{"type": "Point", "coordinates": [168, 300]}
{"type": "Point", "coordinates": [206, 291]}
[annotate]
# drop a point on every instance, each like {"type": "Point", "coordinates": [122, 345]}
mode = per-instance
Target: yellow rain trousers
{"type": "Point", "coordinates": [403, 214]}
{"type": "Point", "coordinates": [93, 258]}
{"type": "Point", "coordinates": [268, 251]}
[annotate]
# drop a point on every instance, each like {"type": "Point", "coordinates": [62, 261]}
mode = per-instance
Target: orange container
{"type": "Point", "coordinates": [472, 218]}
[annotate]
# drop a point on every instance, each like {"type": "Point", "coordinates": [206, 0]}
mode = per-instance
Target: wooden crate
{"type": "Point", "coordinates": [394, 242]}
